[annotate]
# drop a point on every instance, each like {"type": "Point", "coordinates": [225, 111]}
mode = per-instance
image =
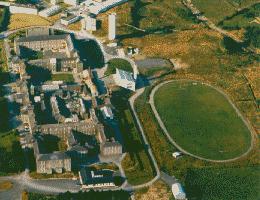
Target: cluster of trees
{"type": "Point", "coordinates": [186, 14]}
{"type": "Point", "coordinates": [11, 161]}
{"type": "Point", "coordinates": [252, 36]}
{"type": "Point", "coordinates": [108, 195]}
{"type": "Point", "coordinates": [4, 19]}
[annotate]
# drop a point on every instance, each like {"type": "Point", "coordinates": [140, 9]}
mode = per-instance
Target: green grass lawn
{"type": "Point", "coordinates": [11, 154]}
{"type": "Point", "coordinates": [136, 164]}
{"type": "Point", "coordinates": [118, 63]}
{"type": "Point", "coordinates": [62, 77]}
{"type": "Point", "coordinates": [201, 120]}
{"type": "Point", "coordinates": [223, 183]}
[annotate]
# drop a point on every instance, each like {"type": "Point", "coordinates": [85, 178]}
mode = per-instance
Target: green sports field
{"type": "Point", "coordinates": [201, 120]}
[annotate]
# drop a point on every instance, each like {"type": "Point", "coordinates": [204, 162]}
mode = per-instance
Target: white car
{"type": "Point", "coordinates": [176, 154]}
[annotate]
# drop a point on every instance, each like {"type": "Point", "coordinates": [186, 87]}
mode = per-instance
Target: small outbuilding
{"type": "Point", "coordinates": [69, 19]}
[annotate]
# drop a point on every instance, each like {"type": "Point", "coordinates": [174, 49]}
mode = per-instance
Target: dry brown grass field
{"type": "Point", "coordinates": [18, 21]}
{"type": "Point", "coordinates": [75, 26]}
{"type": "Point", "coordinates": [5, 185]}
{"type": "Point", "coordinates": [159, 190]}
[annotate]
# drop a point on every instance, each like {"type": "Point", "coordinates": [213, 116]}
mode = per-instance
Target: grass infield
{"type": "Point", "coordinates": [201, 120]}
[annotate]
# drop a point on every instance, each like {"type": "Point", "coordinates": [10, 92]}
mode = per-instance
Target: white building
{"type": "Point", "coordinates": [55, 2]}
{"type": "Point", "coordinates": [112, 26]}
{"type": "Point", "coordinates": [69, 19]}
{"type": "Point", "coordinates": [178, 192]}
{"type": "Point", "coordinates": [107, 112]}
{"type": "Point", "coordinates": [124, 79]}
{"type": "Point", "coordinates": [24, 9]}
{"type": "Point", "coordinates": [50, 11]}
{"type": "Point", "coordinates": [49, 87]}
{"type": "Point", "coordinates": [98, 6]}
{"type": "Point", "coordinates": [90, 23]}
{"type": "Point", "coordinates": [72, 2]}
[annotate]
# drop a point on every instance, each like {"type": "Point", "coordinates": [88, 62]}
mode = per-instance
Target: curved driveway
{"type": "Point", "coordinates": [163, 127]}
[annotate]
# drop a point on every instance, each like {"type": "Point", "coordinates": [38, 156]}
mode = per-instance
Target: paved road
{"type": "Point", "coordinates": [23, 182]}
{"type": "Point", "coordinates": [168, 135]}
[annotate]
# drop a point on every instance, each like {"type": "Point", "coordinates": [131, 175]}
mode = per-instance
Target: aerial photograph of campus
{"type": "Point", "coordinates": [129, 100]}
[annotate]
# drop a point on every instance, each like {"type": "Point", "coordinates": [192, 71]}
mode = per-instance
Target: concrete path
{"type": "Point", "coordinates": [168, 135]}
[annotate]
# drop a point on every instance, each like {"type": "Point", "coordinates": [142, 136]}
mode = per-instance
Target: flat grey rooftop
{"type": "Point", "coordinates": [42, 38]}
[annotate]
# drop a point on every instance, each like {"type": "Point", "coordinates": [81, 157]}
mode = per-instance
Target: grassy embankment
{"type": "Point", "coordinates": [136, 164]}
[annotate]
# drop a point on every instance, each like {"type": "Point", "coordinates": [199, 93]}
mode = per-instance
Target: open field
{"type": "Point", "coordinates": [242, 19]}
{"type": "Point", "coordinates": [219, 9]}
{"type": "Point", "coordinates": [151, 15]}
{"type": "Point", "coordinates": [118, 63]}
{"type": "Point", "coordinates": [253, 75]}
{"type": "Point", "coordinates": [136, 164]}
{"type": "Point", "coordinates": [162, 149]}
{"type": "Point", "coordinates": [223, 183]}
{"type": "Point", "coordinates": [25, 20]}
{"type": "Point", "coordinates": [201, 120]}
{"type": "Point", "coordinates": [148, 15]}
{"type": "Point", "coordinates": [209, 60]}
{"type": "Point", "coordinates": [158, 191]}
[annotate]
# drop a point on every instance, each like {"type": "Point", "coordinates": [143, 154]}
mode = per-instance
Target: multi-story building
{"type": "Point", "coordinates": [57, 162]}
